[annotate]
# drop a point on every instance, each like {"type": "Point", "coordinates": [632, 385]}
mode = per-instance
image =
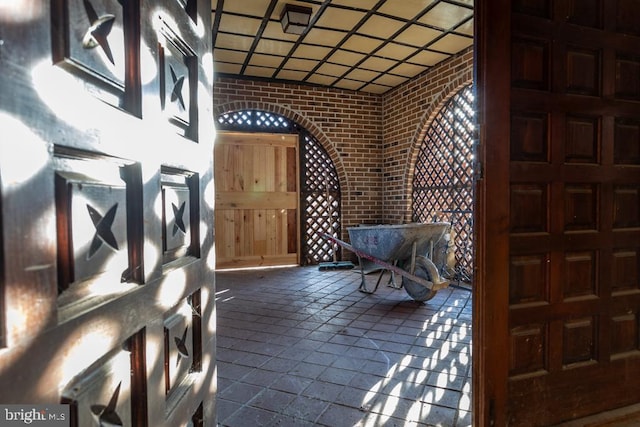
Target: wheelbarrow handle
{"type": "Point", "coordinates": [388, 266]}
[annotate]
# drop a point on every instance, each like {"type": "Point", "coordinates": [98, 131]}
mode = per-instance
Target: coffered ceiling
{"type": "Point", "coordinates": [364, 45]}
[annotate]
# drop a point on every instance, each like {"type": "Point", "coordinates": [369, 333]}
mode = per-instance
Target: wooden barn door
{"type": "Point", "coordinates": [558, 300]}
{"type": "Point", "coordinates": [106, 198]}
{"type": "Point", "coordinates": [257, 199]}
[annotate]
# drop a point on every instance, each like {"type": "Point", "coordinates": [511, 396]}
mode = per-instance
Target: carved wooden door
{"type": "Point", "coordinates": [257, 199]}
{"type": "Point", "coordinates": [558, 301]}
{"type": "Point", "coordinates": [106, 294]}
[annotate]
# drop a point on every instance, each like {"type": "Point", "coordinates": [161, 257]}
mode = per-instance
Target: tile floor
{"type": "Point", "coordinates": [303, 347]}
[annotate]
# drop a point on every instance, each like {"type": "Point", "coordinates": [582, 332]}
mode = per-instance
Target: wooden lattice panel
{"type": "Point", "coordinates": [321, 196]}
{"type": "Point", "coordinates": [443, 179]}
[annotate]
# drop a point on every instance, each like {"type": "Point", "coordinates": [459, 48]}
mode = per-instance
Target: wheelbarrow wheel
{"type": "Point", "coordinates": [425, 269]}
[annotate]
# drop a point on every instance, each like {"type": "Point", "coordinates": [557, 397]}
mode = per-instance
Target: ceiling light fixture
{"type": "Point", "coordinates": [295, 19]}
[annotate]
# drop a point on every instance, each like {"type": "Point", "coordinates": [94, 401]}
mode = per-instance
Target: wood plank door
{"type": "Point", "coordinates": [257, 199]}
{"type": "Point", "coordinates": [558, 300]}
{"type": "Point", "coordinates": [106, 198]}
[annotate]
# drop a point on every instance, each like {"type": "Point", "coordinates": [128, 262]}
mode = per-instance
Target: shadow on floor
{"type": "Point", "coordinates": [303, 347]}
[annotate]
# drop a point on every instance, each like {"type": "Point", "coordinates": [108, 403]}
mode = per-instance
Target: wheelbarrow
{"type": "Point", "coordinates": [404, 249]}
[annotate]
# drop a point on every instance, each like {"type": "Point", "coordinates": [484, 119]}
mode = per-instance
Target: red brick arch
{"type": "Point", "coordinates": [435, 104]}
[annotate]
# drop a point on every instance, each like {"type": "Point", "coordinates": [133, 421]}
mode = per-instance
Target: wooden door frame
{"type": "Point", "coordinates": [491, 227]}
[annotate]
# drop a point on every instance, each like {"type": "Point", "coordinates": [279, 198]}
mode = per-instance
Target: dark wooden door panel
{"type": "Point", "coordinates": [570, 241]}
{"type": "Point", "coordinates": [106, 229]}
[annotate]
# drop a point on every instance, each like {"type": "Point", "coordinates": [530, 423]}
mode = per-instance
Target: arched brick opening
{"type": "Point", "coordinates": [299, 119]}
{"type": "Point", "coordinates": [320, 201]}
{"type": "Point", "coordinates": [440, 174]}
{"type": "Point", "coordinates": [435, 104]}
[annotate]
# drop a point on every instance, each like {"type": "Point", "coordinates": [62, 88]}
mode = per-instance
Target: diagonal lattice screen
{"type": "Point", "coordinates": [320, 193]}
{"type": "Point", "coordinates": [320, 200]}
{"type": "Point", "coordinates": [443, 179]}
{"type": "Point", "coordinates": [254, 121]}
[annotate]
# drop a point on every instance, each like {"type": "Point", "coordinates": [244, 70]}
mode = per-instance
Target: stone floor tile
{"type": "Point", "coordinates": [291, 383]}
{"type": "Point", "coordinates": [305, 408]}
{"type": "Point", "coordinates": [261, 377]}
{"type": "Point", "coordinates": [338, 415]}
{"type": "Point", "coordinates": [272, 400]}
{"type": "Point", "coordinates": [336, 376]}
{"type": "Point", "coordinates": [225, 408]}
{"type": "Point", "coordinates": [241, 392]}
{"type": "Point", "coordinates": [248, 416]}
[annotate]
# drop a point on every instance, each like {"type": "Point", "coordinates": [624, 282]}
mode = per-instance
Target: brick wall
{"type": "Point", "coordinates": [408, 110]}
{"type": "Point", "coordinates": [348, 124]}
{"type": "Point", "coordinates": [373, 140]}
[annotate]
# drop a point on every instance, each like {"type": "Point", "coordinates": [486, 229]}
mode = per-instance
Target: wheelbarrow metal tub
{"type": "Point", "coordinates": [409, 245]}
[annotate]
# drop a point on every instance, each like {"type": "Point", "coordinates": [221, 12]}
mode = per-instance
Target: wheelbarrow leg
{"type": "Point", "coordinates": [363, 287]}
{"type": "Point", "coordinates": [392, 278]}
{"type": "Point", "coordinates": [363, 283]}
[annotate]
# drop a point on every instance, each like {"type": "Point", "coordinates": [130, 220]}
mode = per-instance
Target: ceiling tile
{"type": "Point", "coordinates": [363, 75]}
{"type": "Point", "coordinates": [446, 15]}
{"type": "Point", "coordinates": [338, 18]}
{"type": "Point", "coordinates": [227, 68]}
{"type": "Point", "coordinates": [321, 79]}
{"type": "Point", "coordinates": [395, 51]}
{"type": "Point", "coordinates": [292, 75]}
{"type": "Point", "coordinates": [225, 55]}
{"type": "Point", "coordinates": [466, 28]}
{"type": "Point", "coordinates": [364, 4]}
{"type": "Point", "coordinates": [311, 52]}
{"type": "Point", "coordinates": [390, 80]}
{"type": "Point", "coordinates": [239, 24]}
{"type": "Point", "coordinates": [408, 70]}
{"type": "Point", "coordinates": [451, 44]}
{"type": "Point", "coordinates": [381, 27]}
{"type": "Point", "coordinates": [345, 57]}
{"type": "Point", "coordinates": [407, 9]}
{"type": "Point", "coordinates": [418, 35]}
{"type": "Point", "coordinates": [426, 57]}
{"type": "Point", "coordinates": [300, 64]}
{"type": "Point", "coordinates": [373, 88]}
{"type": "Point", "coordinates": [266, 60]}
{"type": "Point", "coordinates": [233, 42]}
{"type": "Point", "coordinates": [361, 44]}
{"type": "Point", "coordinates": [260, 71]}
{"type": "Point", "coordinates": [254, 7]}
{"type": "Point", "coordinates": [348, 84]}
{"type": "Point", "coordinates": [377, 64]}
{"type": "Point", "coordinates": [324, 37]}
{"type": "Point", "coordinates": [274, 47]}
{"type": "Point", "coordinates": [333, 69]}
